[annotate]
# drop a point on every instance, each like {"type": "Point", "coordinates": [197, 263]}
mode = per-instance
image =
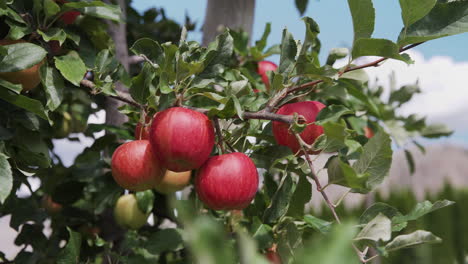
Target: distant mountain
{"type": "Point", "coordinates": [439, 165]}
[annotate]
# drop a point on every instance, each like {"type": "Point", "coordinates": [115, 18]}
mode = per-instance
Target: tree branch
{"type": "Point", "coordinates": [330, 205]}
{"type": "Point", "coordinates": [273, 102]}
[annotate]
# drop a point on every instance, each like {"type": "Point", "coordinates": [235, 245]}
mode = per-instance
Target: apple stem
{"type": "Point", "coordinates": [219, 134]}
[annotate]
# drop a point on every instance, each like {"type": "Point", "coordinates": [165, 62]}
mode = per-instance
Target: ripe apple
{"type": "Point", "coordinates": [309, 110]}
{"type": "Point", "coordinates": [173, 181]}
{"type": "Point", "coordinates": [50, 206]}
{"type": "Point", "coordinates": [368, 132]}
{"type": "Point", "coordinates": [135, 167]}
{"type": "Point", "coordinates": [227, 182]}
{"type": "Point", "coordinates": [28, 78]}
{"type": "Point", "coordinates": [127, 214]}
{"type": "Point", "coordinates": [182, 139]}
{"type": "Point", "coordinates": [263, 68]}
{"type": "Point", "coordinates": [69, 17]}
{"type": "Point", "coordinates": [273, 257]}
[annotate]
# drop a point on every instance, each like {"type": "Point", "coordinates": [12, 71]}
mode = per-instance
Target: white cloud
{"type": "Point", "coordinates": [443, 83]}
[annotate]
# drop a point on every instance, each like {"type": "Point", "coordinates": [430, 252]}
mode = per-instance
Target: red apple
{"type": "Point", "coordinates": [69, 17]}
{"type": "Point", "coordinates": [50, 206]}
{"type": "Point", "coordinates": [309, 110]}
{"type": "Point", "coordinates": [273, 257]}
{"type": "Point", "coordinates": [181, 138]}
{"type": "Point", "coordinates": [127, 214]}
{"type": "Point", "coordinates": [368, 132]}
{"type": "Point", "coordinates": [135, 167]}
{"type": "Point", "coordinates": [263, 68]}
{"type": "Point", "coordinates": [227, 182]}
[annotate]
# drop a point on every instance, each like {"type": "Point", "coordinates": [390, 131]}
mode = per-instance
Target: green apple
{"type": "Point", "coordinates": [127, 214]}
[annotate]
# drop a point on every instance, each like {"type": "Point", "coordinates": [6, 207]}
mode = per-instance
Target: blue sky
{"type": "Point", "coordinates": [332, 15]}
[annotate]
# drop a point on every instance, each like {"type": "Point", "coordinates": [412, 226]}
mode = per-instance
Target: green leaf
{"type": "Point", "coordinates": [149, 48]}
{"type": "Point", "coordinates": [289, 239]}
{"type": "Point", "coordinates": [24, 102]}
{"type": "Point", "coordinates": [16, 88]}
{"type": "Point", "coordinates": [81, 4]}
{"type": "Point", "coordinates": [145, 201]}
{"type": "Point", "coordinates": [142, 84]}
{"type": "Point", "coordinates": [263, 234]}
{"type": "Point", "coordinates": [302, 195]}
{"type": "Point", "coordinates": [164, 240]}
{"type": "Point", "coordinates": [318, 224]}
{"type": "Point", "coordinates": [445, 19]}
{"type": "Point", "coordinates": [363, 15]}
{"type": "Point", "coordinates": [288, 53]}
{"type": "Point", "coordinates": [277, 83]}
{"type": "Point", "coordinates": [222, 49]}
{"type": "Point", "coordinates": [436, 131]}
{"type": "Point", "coordinates": [50, 8]}
{"type": "Point", "coordinates": [301, 6]}
{"type": "Point", "coordinates": [332, 249]}
{"type": "Point", "coordinates": [111, 12]}
{"type": "Point", "coordinates": [343, 174]}
{"type": "Point", "coordinates": [312, 30]}
{"type": "Point", "coordinates": [332, 113]}
{"type": "Point", "coordinates": [6, 177]}
{"type": "Point", "coordinates": [379, 228]}
{"type": "Point", "coordinates": [71, 67]}
{"type": "Point", "coordinates": [404, 94]}
{"type": "Point", "coordinates": [413, 10]}
{"type": "Point", "coordinates": [336, 54]}
{"type": "Point", "coordinates": [280, 202]}
{"type": "Point", "coordinates": [17, 30]}
{"type": "Point", "coordinates": [410, 160]}
{"type": "Point", "coordinates": [248, 252]}
{"type": "Point", "coordinates": [54, 86]}
{"type": "Point", "coordinates": [261, 43]}
{"type": "Point", "coordinates": [416, 238]}
{"type": "Point", "coordinates": [377, 47]}
{"type": "Point", "coordinates": [21, 56]}
{"type": "Point", "coordinates": [376, 159]}
{"type": "Point", "coordinates": [420, 210]}
{"type": "Point", "coordinates": [333, 139]}
{"type": "Point", "coordinates": [71, 252]}
{"type": "Point", "coordinates": [378, 208]}
{"type": "Point", "coordinates": [53, 34]}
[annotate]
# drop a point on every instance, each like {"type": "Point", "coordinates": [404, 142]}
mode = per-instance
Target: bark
{"type": "Point", "coordinates": [234, 14]}
{"type": "Point", "coordinates": [118, 33]}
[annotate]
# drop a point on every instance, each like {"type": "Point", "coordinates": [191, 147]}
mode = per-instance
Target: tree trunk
{"type": "Point", "coordinates": [234, 14]}
{"type": "Point", "coordinates": [119, 35]}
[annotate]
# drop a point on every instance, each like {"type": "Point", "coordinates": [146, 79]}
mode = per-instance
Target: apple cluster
{"type": "Point", "coordinates": [178, 140]}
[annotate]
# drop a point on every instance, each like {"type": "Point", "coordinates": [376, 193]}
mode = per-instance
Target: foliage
{"type": "Point", "coordinates": [218, 80]}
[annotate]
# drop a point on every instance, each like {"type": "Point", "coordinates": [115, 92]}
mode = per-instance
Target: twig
{"type": "Point", "coordinates": [324, 194]}
{"type": "Point", "coordinates": [289, 119]}
{"type": "Point", "coordinates": [219, 134]}
{"type": "Point", "coordinates": [121, 96]}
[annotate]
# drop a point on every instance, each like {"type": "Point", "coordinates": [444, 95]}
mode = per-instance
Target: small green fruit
{"type": "Point", "coordinates": [127, 214]}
